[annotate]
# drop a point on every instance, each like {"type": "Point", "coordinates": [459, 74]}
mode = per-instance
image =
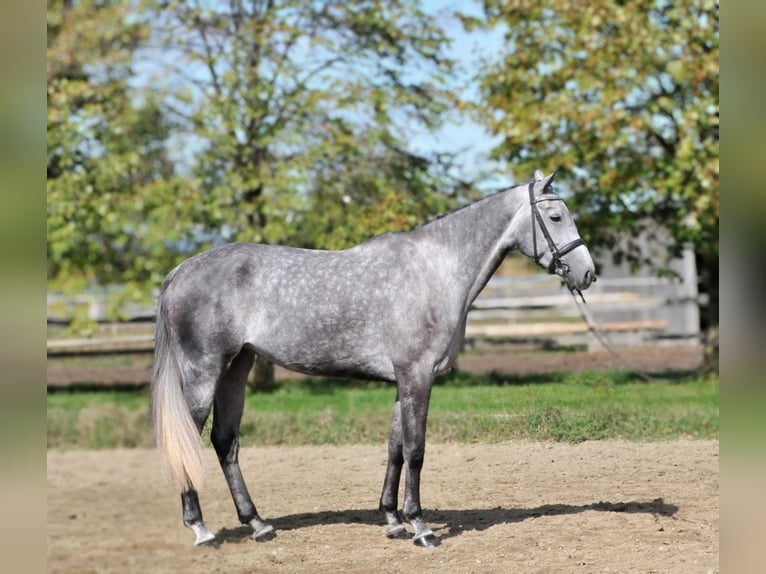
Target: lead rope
{"type": "Point", "coordinates": [602, 337]}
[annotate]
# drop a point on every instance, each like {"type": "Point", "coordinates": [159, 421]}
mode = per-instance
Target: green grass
{"type": "Point", "coordinates": [464, 408]}
{"type": "Point", "coordinates": [98, 419]}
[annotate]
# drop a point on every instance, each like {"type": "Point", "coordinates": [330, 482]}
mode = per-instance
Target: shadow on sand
{"type": "Point", "coordinates": [456, 521]}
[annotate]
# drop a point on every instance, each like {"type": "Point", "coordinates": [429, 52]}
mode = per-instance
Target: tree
{"type": "Point", "coordinates": [111, 195]}
{"type": "Point", "coordinates": [301, 110]}
{"type": "Point", "coordinates": [280, 122]}
{"type": "Point", "coordinates": [623, 97]}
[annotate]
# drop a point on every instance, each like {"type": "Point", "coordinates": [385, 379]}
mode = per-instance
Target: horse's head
{"type": "Point", "coordinates": [551, 237]}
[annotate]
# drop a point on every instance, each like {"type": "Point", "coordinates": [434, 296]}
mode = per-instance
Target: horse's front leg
{"type": "Point", "coordinates": [389, 498]}
{"type": "Point", "coordinates": [414, 394]}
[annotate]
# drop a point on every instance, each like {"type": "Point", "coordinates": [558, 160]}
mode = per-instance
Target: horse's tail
{"type": "Point", "coordinates": [175, 433]}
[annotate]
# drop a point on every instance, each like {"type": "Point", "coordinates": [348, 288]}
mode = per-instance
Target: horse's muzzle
{"type": "Point", "coordinates": [579, 283]}
{"type": "Point", "coordinates": [590, 277]}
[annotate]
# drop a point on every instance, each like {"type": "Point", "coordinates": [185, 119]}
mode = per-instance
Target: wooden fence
{"type": "Point", "coordinates": [533, 309]}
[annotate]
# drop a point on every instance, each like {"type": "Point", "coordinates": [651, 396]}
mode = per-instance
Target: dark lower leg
{"type": "Point", "coordinates": [192, 516]}
{"type": "Point", "coordinates": [415, 394]}
{"type": "Point", "coordinates": [231, 471]}
{"type": "Point", "coordinates": [199, 399]}
{"type": "Point", "coordinates": [227, 413]}
{"type": "Point", "coordinates": [192, 512]}
{"type": "Point", "coordinates": [246, 511]}
{"type": "Point", "coordinates": [413, 511]}
{"type": "Point", "coordinates": [390, 495]}
{"type": "Point", "coordinates": [412, 508]}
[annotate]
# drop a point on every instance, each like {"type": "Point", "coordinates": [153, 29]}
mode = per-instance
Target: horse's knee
{"type": "Point", "coordinates": [396, 453]}
{"type": "Point", "coordinates": [414, 457]}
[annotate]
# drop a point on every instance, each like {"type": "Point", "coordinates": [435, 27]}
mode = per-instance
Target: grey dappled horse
{"type": "Point", "coordinates": [391, 309]}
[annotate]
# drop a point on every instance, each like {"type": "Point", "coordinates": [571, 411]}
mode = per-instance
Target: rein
{"type": "Point", "coordinates": [587, 316]}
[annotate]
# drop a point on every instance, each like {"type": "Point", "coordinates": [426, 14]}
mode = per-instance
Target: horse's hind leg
{"type": "Point", "coordinates": [227, 413]}
{"type": "Point", "coordinates": [199, 398]}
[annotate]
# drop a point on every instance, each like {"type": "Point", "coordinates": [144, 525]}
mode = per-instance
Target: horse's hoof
{"type": "Point", "coordinates": [396, 532]}
{"type": "Point", "coordinates": [203, 536]}
{"type": "Point", "coordinates": [264, 534]}
{"type": "Point", "coordinates": [427, 540]}
{"type": "Point", "coordinates": [209, 543]}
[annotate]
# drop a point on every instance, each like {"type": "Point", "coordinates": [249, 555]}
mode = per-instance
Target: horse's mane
{"type": "Point", "coordinates": [466, 206]}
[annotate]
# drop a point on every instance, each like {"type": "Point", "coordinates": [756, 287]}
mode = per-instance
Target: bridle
{"type": "Point", "coordinates": [557, 264]}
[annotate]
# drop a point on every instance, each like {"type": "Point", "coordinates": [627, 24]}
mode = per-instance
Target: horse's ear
{"type": "Point", "coordinates": [543, 183]}
{"type": "Point", "coordinates": [549, 180]}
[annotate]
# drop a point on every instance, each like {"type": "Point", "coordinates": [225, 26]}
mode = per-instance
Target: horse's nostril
{"type": "Point", "coordinates": [587, 277]}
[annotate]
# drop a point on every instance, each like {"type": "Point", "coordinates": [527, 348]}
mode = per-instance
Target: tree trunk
{"type": "Point", "coordinates": [262, 379]}
{"type": "Point", "coordinates": [708, 274]}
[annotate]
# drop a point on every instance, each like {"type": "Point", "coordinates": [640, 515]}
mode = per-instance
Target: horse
{"type": "Point", "coordinates": [390, 309]}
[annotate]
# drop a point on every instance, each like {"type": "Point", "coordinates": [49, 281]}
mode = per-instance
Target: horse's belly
{"type": "Point", "coordinates": [342, 370]}
{"type": "Point", "coordinates": [345, 357]}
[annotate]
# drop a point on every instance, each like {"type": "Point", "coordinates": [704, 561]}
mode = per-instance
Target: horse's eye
{"type": "Point", "coordinates": [555, 217]}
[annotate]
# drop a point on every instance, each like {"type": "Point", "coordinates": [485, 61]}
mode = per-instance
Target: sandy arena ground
{"type": "Point", "coordinates": [594, 507]}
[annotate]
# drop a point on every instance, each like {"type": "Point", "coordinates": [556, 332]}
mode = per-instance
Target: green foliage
{"type": "Point", "coordinates": [277, 122]}
{"type": "Point", "coordinates": [300, 109]}
{"type": "Point", "coordinates": [623, 97]}
{"type": "Point", "coordinates": [112, 197]}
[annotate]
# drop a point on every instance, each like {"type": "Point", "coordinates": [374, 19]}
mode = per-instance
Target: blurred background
{"type": "Point", "coordinates": [173, 127]}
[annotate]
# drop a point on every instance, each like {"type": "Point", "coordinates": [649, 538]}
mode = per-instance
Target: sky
{"type": "Point", "coordinates": [476, 143]}
{"type": "Point", "coordinates": [458, 134]}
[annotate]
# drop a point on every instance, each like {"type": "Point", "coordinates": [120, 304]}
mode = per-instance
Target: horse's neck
{"type": "Point", "coordinates": [476, 238]}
